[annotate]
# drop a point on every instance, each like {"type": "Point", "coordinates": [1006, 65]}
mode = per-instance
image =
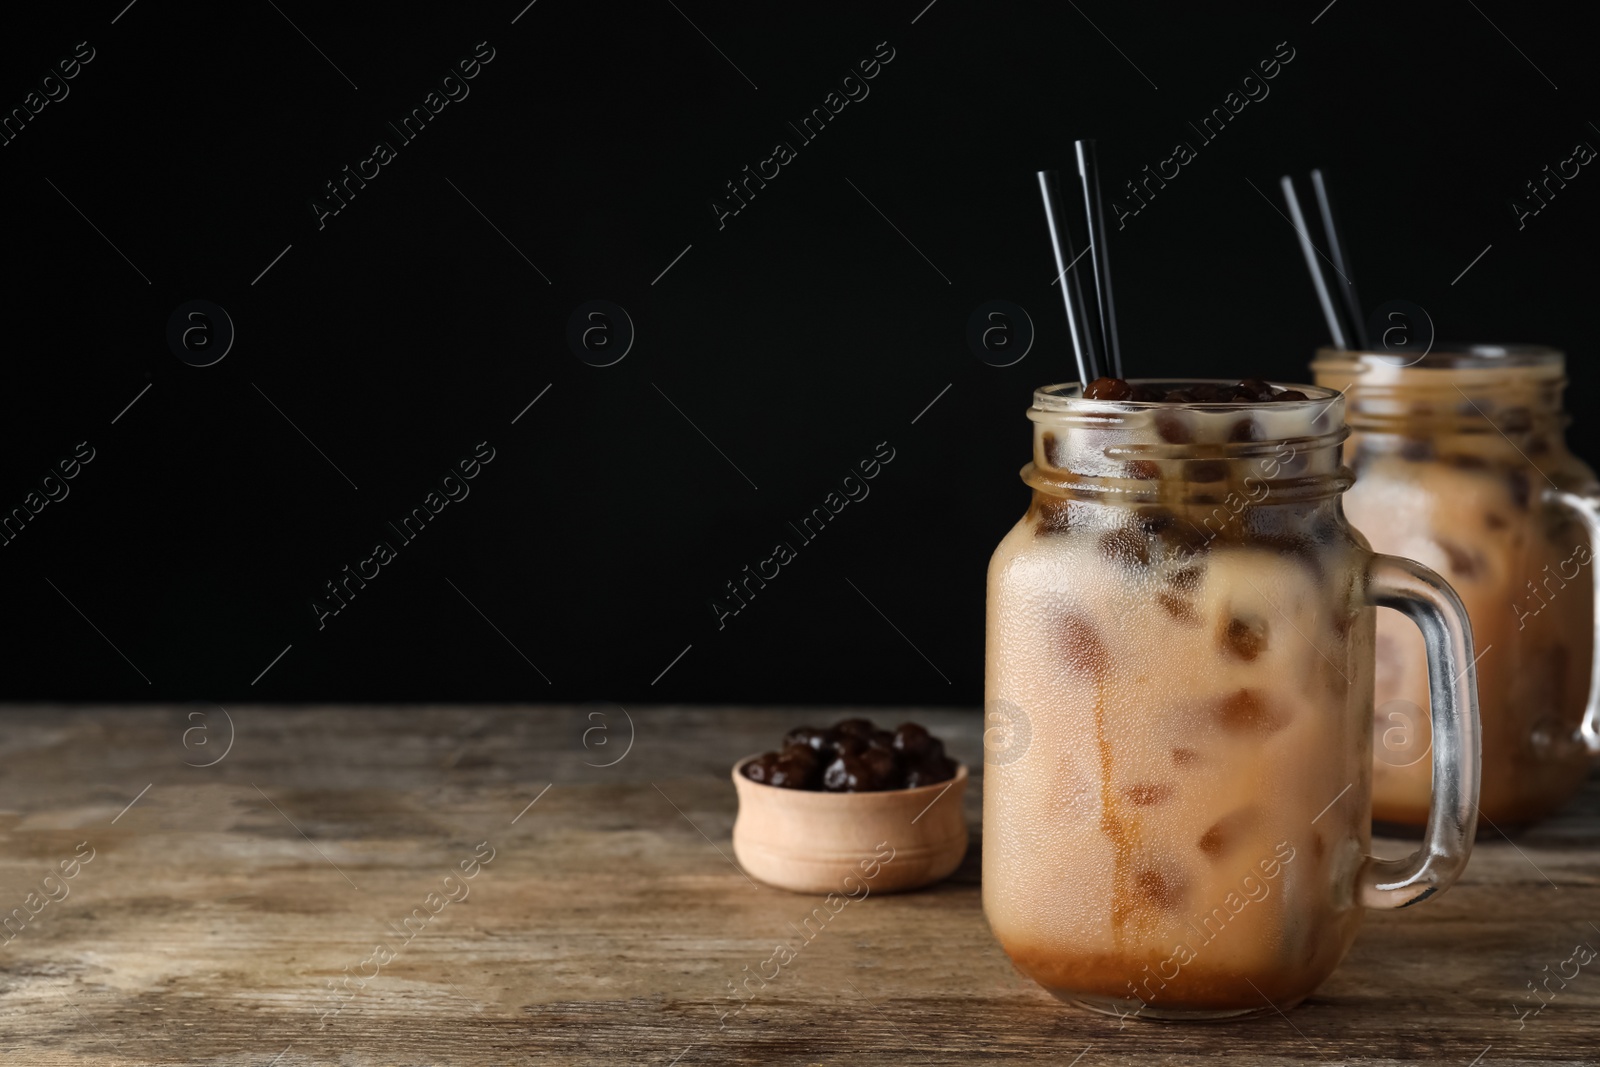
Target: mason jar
{"type": "Point", "coordinates": [1178, 693]}
{"type": "Point", "coordinates": [1460, 464]}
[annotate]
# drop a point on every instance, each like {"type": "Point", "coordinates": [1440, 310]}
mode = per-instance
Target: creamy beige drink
{"type": "Point", "coordinates": [1179, 686]}
{"type": "Point", "coordinates": [1460, 465]}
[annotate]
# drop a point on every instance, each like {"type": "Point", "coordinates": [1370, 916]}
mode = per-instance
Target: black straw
{"type": "Point", "coordinates": [1309, 251]}
{"type": "Point", "coordinates": [1071, 290]}
{"type": "Point", "coordinates": [1341, 260]}
{"type": "Point", "coordinates": [1100, 253]}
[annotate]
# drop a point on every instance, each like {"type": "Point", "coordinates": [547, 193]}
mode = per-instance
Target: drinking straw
{"type": "Point", "coordinates": [1341, 259]}
{"type": "Point", "coordinates": [1071, 290]}
{"type": "Point", "coordinates": [1309, 251]}
{"type": "Point", "coordinates": [1100, 253]}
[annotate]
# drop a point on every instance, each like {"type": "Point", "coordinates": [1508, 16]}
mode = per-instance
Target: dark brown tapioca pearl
{"type": "Point", "coordinates": [1205, 470]}
{"type": "Point", "coordinates": [1244, 637]}
{"type": "Point", "coordinates": [796, 768]}
{"type": "Point", "coordinates": [1221, 836]}
{"type": "Point", "coordinates": [1162, 888]}
{"type": "Point", "coordinates": [1148, 394]}
{"type": "Point", "coordinates": [882, 739]}
{"type": "Point", "coordinates": [1515, 420]}
{"type": "Point", "coordinates": [1416, 450]}
{"type": "Point", "coordinates": [1143, 470]}
{"type": "Point", "coordinates": [1464, 562]}
{"type": "Point", "coordinates": [1180, 609]}
{"type": "Point", "coordinates": [1179, 396]}
{"type": "Point", "coordinates": [883, 768]}
{"type": "Point", "coordinates": [1155, 521]}
{"type": "Point", "coordinates": [1126, 546]}
{"type": "Point", "coordinates": [861, 728]}
{"type": "Point", "coordinates": [929, 772]}
{"type": "Point", "coordinates": [1079, 645]}
{"type": "Point", "coordinates": [1258, 389]}
{"type": "Point", "coordinates": [1149, 794]}
{"type": "Point", "coordinates": [1244, 430]}
{"type": "Point", "coordinates": [1173, 428]}
{"type": "Point", "coordinates": [1517, 480]}
{"type": "Point", "coordinates": [1248, 711]}
{"type": "Point", "coordinates": [1211, 393]}
{"type": "Point", "coordinates": [1186, 579]}
{"type": "Point", "coordinates": [1495, 521]}
{"type": "Point", "coordinates": [1053, 515]}
{"type": "Point", "coordinates": [1108, 389]}
{"type": "Point", "coordinates": [847, 774]}
{"type": "Point", "coordinates": [812, 737]}
{"type": "Point", "coordinates": [760, 768]}
{"type": "Point", "coordinates": [1289, 395]}
{"type": "Point", "coordinates": [916, 743]}
{"type": "Point", "coordinates": [1185, 756]}
{"type": "Point", "coordinates": [847, 745]}
{"type": "Point", "coordinates": [1053, 452]}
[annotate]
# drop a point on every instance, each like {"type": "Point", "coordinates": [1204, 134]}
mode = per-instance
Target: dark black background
{"type": "Point", "coordinates": [796, 338]}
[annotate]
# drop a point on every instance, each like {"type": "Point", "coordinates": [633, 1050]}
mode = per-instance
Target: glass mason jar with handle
{"type": "Point", "coordinates": [1178, 749]}
{"type": "Point", "coordinates": [1460, 463]}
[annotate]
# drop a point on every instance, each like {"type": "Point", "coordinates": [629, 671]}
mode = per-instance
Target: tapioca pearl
{"type": "Point", "coordinates": [1080, 646]}
{"type": "Point", "coordinates": [796, 768]}
{"type": "Point", "coordinates": [1517, 482]}
{"type": "Point", "coordinates": [760, 768]}
{"type": "Point", "coordinates": [1054, 516]}
{"type": "Point", "coordinates": [1184, 756]}
{"type": "Point", "coordinates": [1143, 470]}
{"type": "Point", "coordinates": [1464, 563]}
{"type": "Point", "coordinates": [1205, 470]}
{"type": "Point", "coordinates": [1161, 886]}
{"type": "Point", "coordinates": [1149, 794]}
{"type": "Point", "coordinates": [1187, 579]}
{"type": "Point", "coordinates": [1494, 521]}
{"type": "Point", "coordinates": [1258, 389]}
{"type": "Point", "coordinates": [1155, 520]}
{"type": "Point", "coordinates": [1126, 546]}
{"type": "Point", "coordinates": [1244, 430]}
{"type": "Point", "coordinates": [1244, 636]}
{"type": "Point", "coordinates": [1180, 609]}
{"type": "Point", "coordinates": [1514, 420]}
{"type": "Point", "coordinates": [1248, 711]}
{"type": "Point", "coordinates": [1054, 453]}
{"type": "Point", "coordinates": [1223, 835]}
{"type": "Point", "coordinates": [1108, 389]}
{"type": "Point", "coordinates": [1416, 450]}
{"type": "Point", "coordinates": [916, 742]}
{"type": "Point", "coordinates": [1174, 427]}
{"type": "Point", "coordinates": [861, 728]}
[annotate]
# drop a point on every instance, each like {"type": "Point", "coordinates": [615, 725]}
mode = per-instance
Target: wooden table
{"type": "Point", "coordinates": [221, 901]}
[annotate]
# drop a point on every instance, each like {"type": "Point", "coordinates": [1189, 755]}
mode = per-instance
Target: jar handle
{"type": "Point", "coordinates": [1586, 508]}
{"type": "Point", "coordinates": [1427, 600]}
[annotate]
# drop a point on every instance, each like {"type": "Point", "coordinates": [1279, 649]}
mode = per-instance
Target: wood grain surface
{"type": "Point", "coordinates": [609, 919]}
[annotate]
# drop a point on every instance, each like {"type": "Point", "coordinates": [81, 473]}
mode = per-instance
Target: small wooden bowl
{"type": "Point", "coordinates": [810, 842]}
